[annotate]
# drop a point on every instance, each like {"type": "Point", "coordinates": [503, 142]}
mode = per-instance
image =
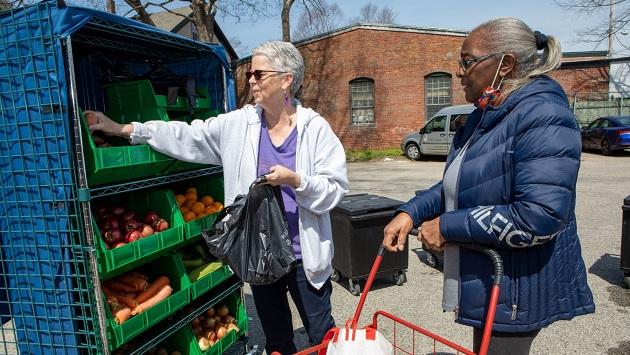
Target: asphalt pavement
{"type": "Point", "coordinates": [603, 183]}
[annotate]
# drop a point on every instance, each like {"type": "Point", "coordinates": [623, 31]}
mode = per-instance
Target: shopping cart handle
{"type": "Point", "coordinates": [494, 256]}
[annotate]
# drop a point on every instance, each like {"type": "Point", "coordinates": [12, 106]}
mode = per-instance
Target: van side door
{"type": "Point", "coordinates": [435, 140]}
{"type": "Point", "coordinates": [457, 121]}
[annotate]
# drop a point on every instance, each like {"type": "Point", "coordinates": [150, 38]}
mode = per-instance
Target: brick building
{"type": "Point", "coordinates": [376, 83]}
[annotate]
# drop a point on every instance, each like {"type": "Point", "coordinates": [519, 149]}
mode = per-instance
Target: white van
{"type": "Point", "coordinates": [436, 137]}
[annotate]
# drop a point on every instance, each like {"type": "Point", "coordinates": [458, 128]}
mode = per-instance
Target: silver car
{"type": "Point", "coordinates": [436, 137]}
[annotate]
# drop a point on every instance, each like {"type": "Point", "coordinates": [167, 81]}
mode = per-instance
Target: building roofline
{"type": "Point", "coordinates": [585, 54]}
{"type": "Point", "coordinates": [383, 27]}
{"type": "Point", "coordinates": [376, 27]}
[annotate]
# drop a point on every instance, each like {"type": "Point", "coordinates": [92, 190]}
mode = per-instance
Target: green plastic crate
{"type": "Point", "coordinates": [119, 163]}
{"type": "Point", "coordinates": [139, 95]}
{"type": "Point", "coordinates": [206, 283]}
{"type": "Point", "coordinates": [168, 265]}
{"type": "Point", "coordinates": [185, 342]}
{"type": "Point", "coordinates": [180, 165]}
{"type": "Point", "coordinates": [115, 261]}
{"type": "Point", "coordinates": [212, 186]}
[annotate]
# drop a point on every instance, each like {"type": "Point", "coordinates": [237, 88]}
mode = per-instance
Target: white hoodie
{"type": "Point", "coordinates": [232, 140]}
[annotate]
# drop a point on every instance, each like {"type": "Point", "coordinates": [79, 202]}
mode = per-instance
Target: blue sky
{"type": "Point", "coordinates": [544, 16]}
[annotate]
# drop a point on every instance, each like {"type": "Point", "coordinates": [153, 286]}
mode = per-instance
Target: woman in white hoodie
{"type": "Point", "coordinates": [297, 150]}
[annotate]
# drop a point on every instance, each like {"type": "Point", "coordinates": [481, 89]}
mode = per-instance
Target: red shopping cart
{"type": "Point", "coordinates": [400, 324]}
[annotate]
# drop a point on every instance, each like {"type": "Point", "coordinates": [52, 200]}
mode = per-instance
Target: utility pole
{"type": "Point", "coordinates": [111, 6]}
{"type": "Point", "coordinates": [610, 30]}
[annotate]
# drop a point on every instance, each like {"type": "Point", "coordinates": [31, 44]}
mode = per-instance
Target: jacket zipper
{"type": "Point", "coordinates": [514, 286]}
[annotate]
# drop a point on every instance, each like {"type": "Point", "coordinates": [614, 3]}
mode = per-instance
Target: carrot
{"type": "Point", "coordinates": [137, 283]}
{"type": "Point", "coordinates": [120, 287]}
{"type": "Point", "coordinates": [127, 301]}
{"type": "Point", "coordinates": [122, 314]}
{"type": "Point", "coordinates": [161, 295]}
{"type": "Point", "coordinates": [140, 276]}
{"type": "Point", "coordinates": [153, 288]}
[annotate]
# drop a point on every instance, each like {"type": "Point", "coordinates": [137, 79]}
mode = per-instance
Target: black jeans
{"type": "Point", "coordinates": [506, 343]}
{"type": "Point", "coordinates": [273, 310]}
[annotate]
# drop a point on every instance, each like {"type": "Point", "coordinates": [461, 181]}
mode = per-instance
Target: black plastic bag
{"type": "Point", "coordinates": [252, 236]}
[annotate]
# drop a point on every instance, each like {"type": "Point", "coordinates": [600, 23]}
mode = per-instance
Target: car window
{"type": "Point", "coordinates": [623, 121]}
{"type": "Point", "coordinates": [605, 124]}
{"type": "Point", "coordinates": [438, 124]}
{"type": "Point", "coordinates": [457, 121]}
{"type": "Point", "coordinates": [595, 124]}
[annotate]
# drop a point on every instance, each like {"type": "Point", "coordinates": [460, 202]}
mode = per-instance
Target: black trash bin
{"type": "Point", "coordinates": [357, 227]}
{"type": "Point", "coordinates": [625, 240]}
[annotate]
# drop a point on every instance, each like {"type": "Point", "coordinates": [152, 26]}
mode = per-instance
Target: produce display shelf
{"type": "Point", "coordinates": [163, 330]}
{"type": "Point", "coordinates": [139, 95]}
{"type": "Point", "coordinates": [212, 187]}
{"type": "Point", "coordinates": [114, 261]}
{"type": "Point", "coordinates": [204, 284]}
{"type": "Point", "coordinates": [186, 343]}
{"type": "Point", "coordinates": [152, 182]}
{"type": "Point", "coordinates": [136, 325]}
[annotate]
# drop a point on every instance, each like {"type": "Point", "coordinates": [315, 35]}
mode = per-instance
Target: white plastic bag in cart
{"type": "Point", "coordinates": [367, 341]}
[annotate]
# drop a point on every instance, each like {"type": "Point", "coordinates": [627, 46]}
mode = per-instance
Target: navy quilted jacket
{"type": "Point", "coordinates": [516, 193]}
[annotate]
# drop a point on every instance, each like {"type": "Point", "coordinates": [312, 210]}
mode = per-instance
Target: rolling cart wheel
{"type": "Point", "coordinates": [432, 259]}
{"type": "Point", "coordinates": [400, 278]}
{"type": "Point", "coordinates": [336, 276]}
{"type": "Point", "coordinates": [355, 288]}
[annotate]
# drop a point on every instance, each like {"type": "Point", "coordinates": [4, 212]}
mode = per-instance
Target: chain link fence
{"type": "Point", "coordinates": [589, 106]}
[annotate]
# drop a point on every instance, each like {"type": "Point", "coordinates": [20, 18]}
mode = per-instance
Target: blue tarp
{"type": "Point", "coordinates": [38, 200]}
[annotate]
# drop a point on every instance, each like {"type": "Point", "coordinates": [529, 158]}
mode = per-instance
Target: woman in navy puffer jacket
{"type": "Point", "coordinates": [509, 184]}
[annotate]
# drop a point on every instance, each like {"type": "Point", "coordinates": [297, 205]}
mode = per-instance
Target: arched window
{"type": "Point", "coordinates": [362, 101]}
{"type": "Point", "coordinates": [437, 91]}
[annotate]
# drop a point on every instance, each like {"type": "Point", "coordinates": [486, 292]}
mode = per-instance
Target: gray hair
{"type": "Point", "coordinates": [511, 35]}
{"type": "Point", "coordinates": [283, 56]}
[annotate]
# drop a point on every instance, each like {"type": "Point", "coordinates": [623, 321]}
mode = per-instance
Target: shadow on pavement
{"type": "Point", "coordinates": [607, 268]}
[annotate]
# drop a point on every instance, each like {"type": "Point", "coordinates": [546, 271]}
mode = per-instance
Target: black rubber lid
{"type": "Point", "coordinates": [354, 205]}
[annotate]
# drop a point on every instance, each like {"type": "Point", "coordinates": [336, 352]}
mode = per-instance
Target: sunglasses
{"type": "Point", "coordinates": [465, 64]}
{"type": "Point", "coordinates": [257, 74]}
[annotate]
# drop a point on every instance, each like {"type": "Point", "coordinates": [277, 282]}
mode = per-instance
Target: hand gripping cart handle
{"type": "Point", "coordinates": [492, 304]}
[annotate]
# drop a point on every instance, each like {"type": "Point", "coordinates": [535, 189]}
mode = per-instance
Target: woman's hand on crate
{"type": "Point", "coordinates": [396, 232]}
{"type": "Point", "coordinates": [97, 121]}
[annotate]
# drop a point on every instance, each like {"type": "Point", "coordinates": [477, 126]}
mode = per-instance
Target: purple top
{"type": "Point", "coordinates": [270, 155]}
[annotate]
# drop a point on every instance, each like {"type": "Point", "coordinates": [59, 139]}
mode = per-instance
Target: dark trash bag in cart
{"type": "Point", "coordinates": [252, 236]}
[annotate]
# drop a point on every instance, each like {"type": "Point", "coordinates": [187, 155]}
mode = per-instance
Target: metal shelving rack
{"type": "Point", "coordinates": [54, 288]}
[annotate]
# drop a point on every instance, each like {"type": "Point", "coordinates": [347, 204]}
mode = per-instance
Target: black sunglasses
{"type": "Point", "coordinates": [465, 64]}
{"type": "Point", "coordinates": [257, 74]}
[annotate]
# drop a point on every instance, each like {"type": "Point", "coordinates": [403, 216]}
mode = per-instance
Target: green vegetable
{"type": "Point", "coordinates": [204, 270]}
{"type": "Point", "coordinates": [201, 251]}
{"type": "Point", "coordinates": [193, 263]}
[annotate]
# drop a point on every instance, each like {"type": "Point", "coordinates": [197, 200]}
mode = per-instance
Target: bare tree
{"type": "Point", "coordinates": [325, 18]}
{"type": "Point", "coordinates": [310, 6]}
{"type": "Point", "coordinates": [615, 17]}
{"type": "Point", "coordinates": [202, 12]}
{"type": "Point", "coordinates": [371, 13]}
